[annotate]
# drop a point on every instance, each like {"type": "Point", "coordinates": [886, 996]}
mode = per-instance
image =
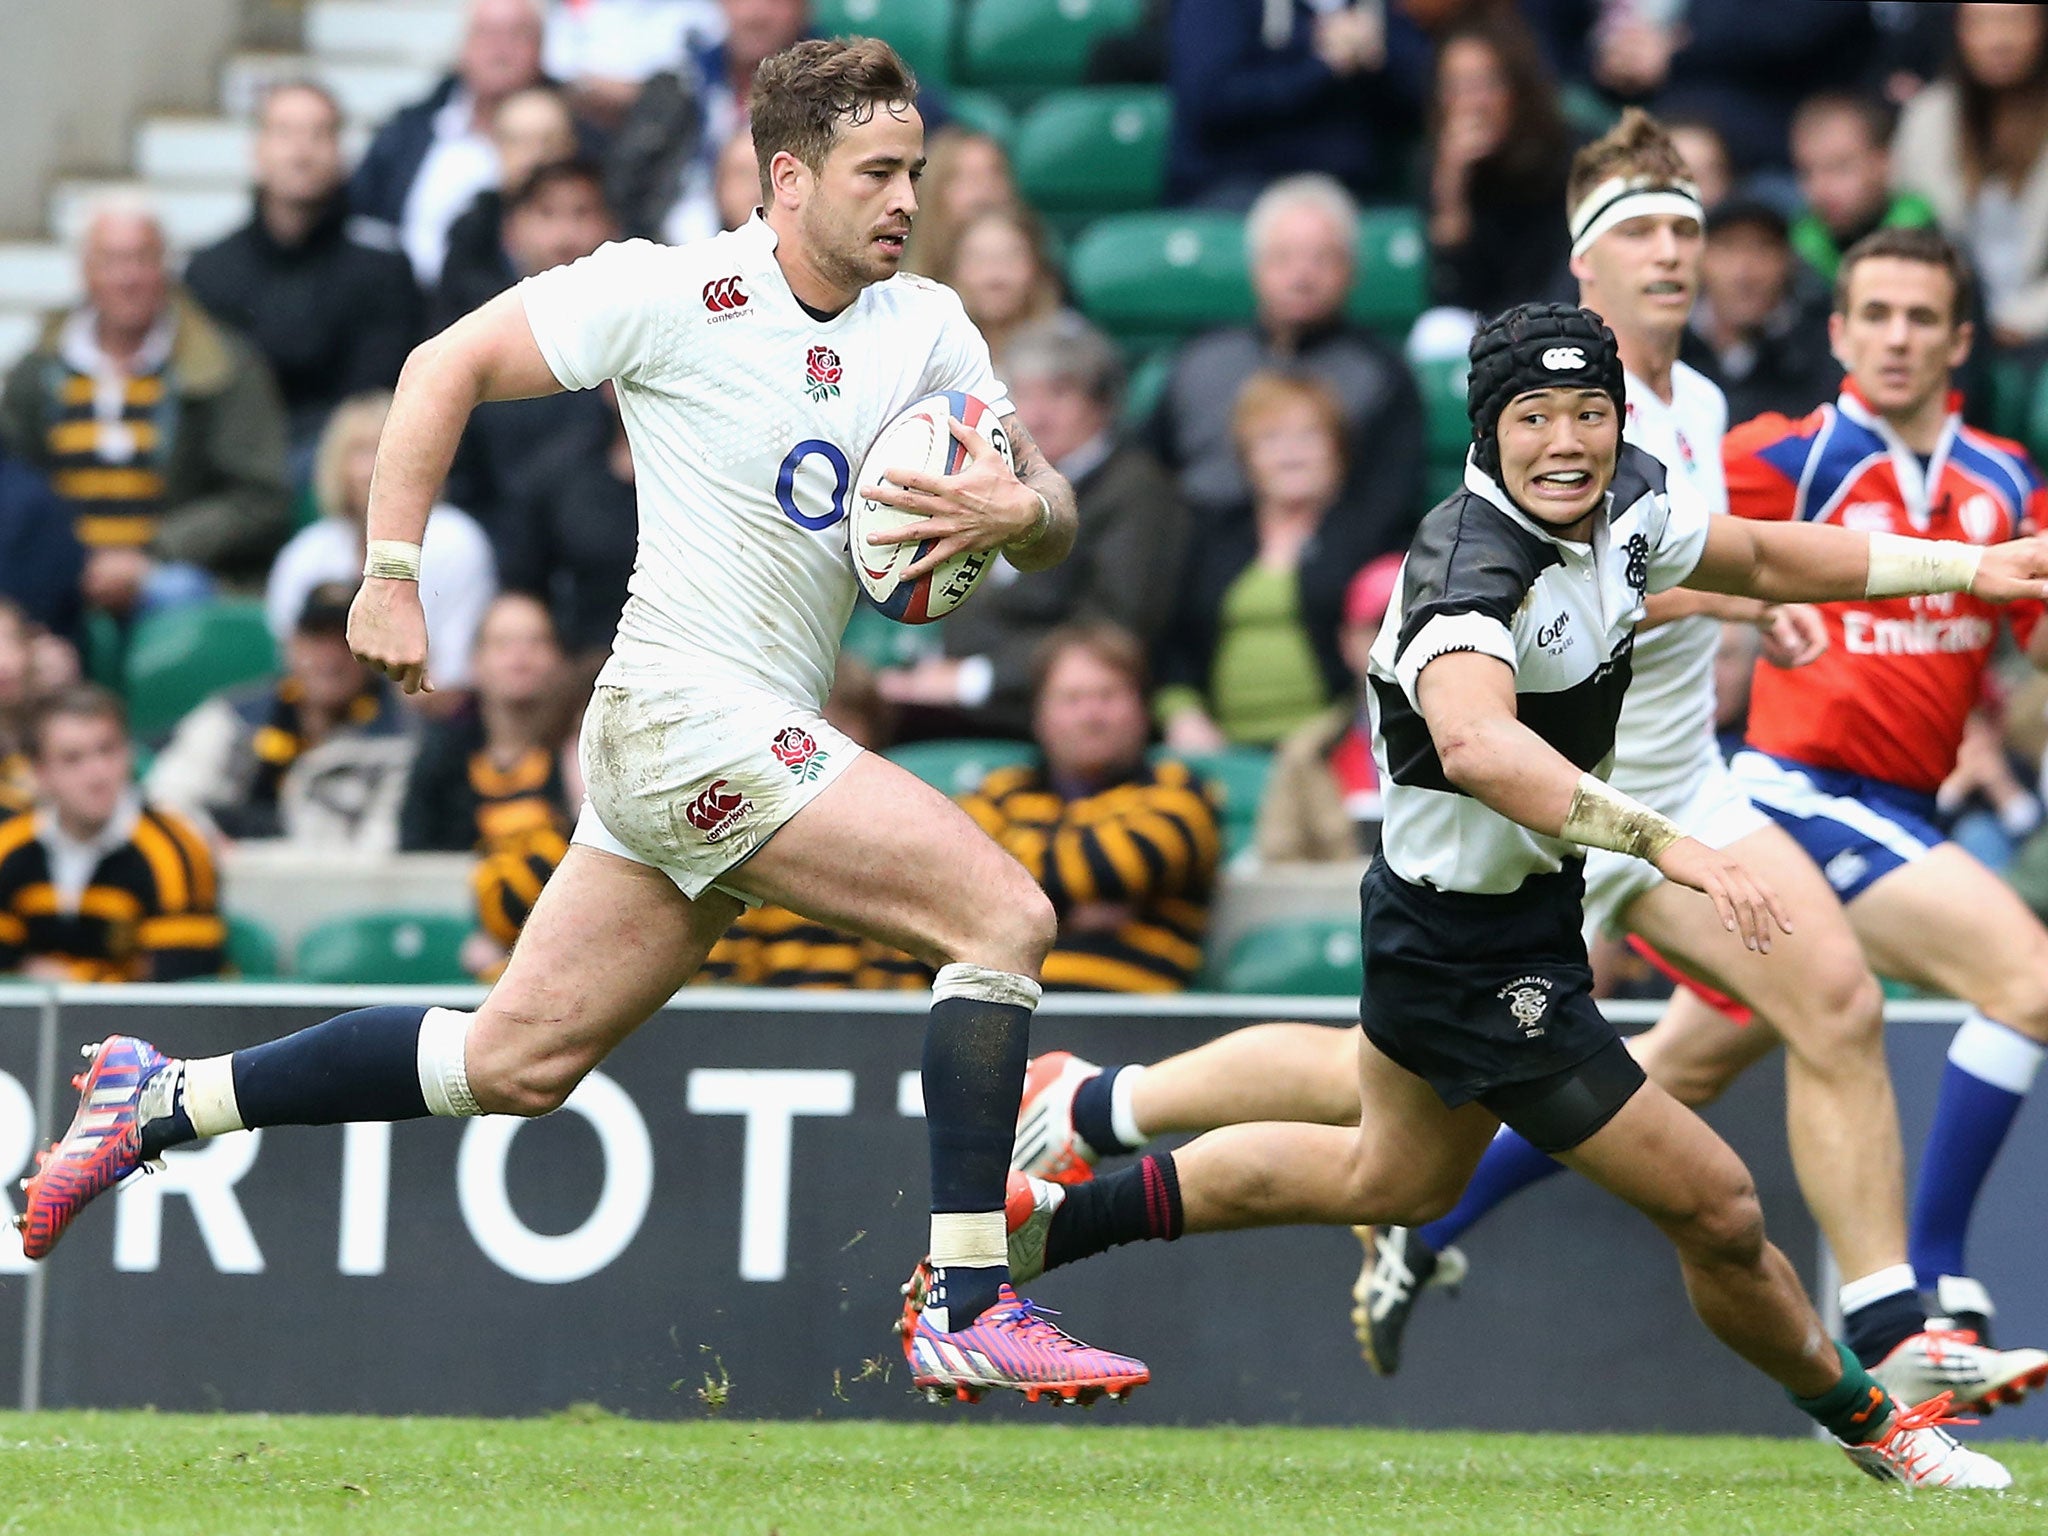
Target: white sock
{"type": "Point", "coordinates": [1889, 1281]}
{"type": "Point", "coordinates": [210, 1096]}
{"type": "Point", "coordinates": [1123, 1119]}
{"type": "Point", "coordinates": [443, 1062]}
{"type": "Point", "coordinates": [1997, 1054]}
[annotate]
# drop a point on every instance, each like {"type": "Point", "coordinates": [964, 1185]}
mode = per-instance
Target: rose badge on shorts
{"type": "Point", "coordinates": [821, 374]}
{"type": "Point", "coordinates": [798, 751]}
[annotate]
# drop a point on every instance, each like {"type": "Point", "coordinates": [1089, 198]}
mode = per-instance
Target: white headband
{"type": "Point", "coordinates": [1620, 198]}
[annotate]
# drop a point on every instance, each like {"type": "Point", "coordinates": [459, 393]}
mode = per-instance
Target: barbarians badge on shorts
{"type": "Point", "coordinates": [1528, 999]}
{"type": "Point", "coordinates": [821, 374]}
{"type": "Point", "coordinates": [798, 751]}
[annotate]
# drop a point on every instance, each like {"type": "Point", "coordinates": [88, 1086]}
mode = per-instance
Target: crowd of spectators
{"type": "Point", "coordinates": [187, 435]}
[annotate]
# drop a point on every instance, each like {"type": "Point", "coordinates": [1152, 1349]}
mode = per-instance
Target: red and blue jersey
{"type": "Point", "coordinates": [1889, 698]}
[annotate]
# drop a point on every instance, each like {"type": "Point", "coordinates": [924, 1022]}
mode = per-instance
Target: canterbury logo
{"type": "Point", "coordinates": [1557, 359]}
{"type": "Point", "coordinates": [724, 293]}
{"type": "Point", "coordinates": [717, 810]}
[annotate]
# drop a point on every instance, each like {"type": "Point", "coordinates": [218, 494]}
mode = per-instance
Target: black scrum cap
{"type": "Point", "coordinates": [1536, 346]}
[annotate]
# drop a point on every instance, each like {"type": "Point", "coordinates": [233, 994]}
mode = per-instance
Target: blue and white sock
{"type": "Point", "coordinates": [1880, 1312]}
{"type": "Point", "coordinates": [386, 1063]}
{"type": "Point", "coordinates": [1990, 1068]}
{"type": "Point", "coordinates": [1102, 1112]}
{"type": "Point", "coordinates": [1510, 1166]}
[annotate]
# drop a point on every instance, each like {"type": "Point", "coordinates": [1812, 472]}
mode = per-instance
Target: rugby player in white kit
{"type": "Point", "coordinates": [753, 370]}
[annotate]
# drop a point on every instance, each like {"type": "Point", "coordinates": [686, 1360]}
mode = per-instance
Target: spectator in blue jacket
{"type": "Point", "coordinates": [1280, 87]}
{"type": "Point", "coordinates": [427, 164]}
{"type": "Point", "coordinates": [41, 561]}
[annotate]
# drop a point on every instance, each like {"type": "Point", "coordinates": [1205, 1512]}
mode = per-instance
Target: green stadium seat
{"type": "Point", "coordinates": [1014, 45]}
{"type": "Point", "coordinates": [179, 658]}
{"type": "Point", "coordinates": [875, 638]}
{"type": "Point", "coordinates": [983, 113]}
{"type": "Point", "coordinates": [1161, 275]}
{"type": "Point", "coordinates": [387, 948]}
{"type": "Point", "coordinates": [920, 30]}
{"type": "Point", "coordinates": [1441, 383]}
{"type": "Point", "coordinates": [105, 645]}
{"type": "Point", "coordinates": [1094, 150]}
{"type": "Point", "coordinates": [1586, 111]}
{"type": "Point", "coordinates": [252, 949]}
{"type": "Point", "coordinates": [1300, 957]}
{"type": "Point", "coordinates": [1239, 775]}
{"type": "Point", "coordinates": [2012, 388]}
{"type": "Point", "coordinates": [1147, 382]}
{"type": "Point", "coordinates": [957, 767]}
{"type": "Point", "coordinates": [1393, 275]}
{"type": "Point", "coordinates": [1165, 273]}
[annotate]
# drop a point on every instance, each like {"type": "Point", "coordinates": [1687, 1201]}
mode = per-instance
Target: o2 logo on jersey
{"type": "Point", "coordinates": [793, 465]}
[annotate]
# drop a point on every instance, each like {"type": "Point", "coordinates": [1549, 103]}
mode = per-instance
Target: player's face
{"type": "Point", "coordinates": [1899, 338]}
{"type": "Point", "coordinates": [82, 765]}
{"type": "Point", "coordinates": [1642, 274]}
{"type": "Point", "coordinates": [1557, 453]}
{"type": "Point", "coordinates": [857, 208]}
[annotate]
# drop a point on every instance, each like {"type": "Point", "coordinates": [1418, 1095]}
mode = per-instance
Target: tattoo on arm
{"type": "Point", "coordinates": [1034, 470]}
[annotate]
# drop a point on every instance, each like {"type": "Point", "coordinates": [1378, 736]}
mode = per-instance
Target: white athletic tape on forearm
{"type": "Point", "coordinates": [1902, 566]}
{"type": "Point", "coordinates": [444, 1063]}
{"type": "Point", "coordinates": [1621, 198]}
{"type": "Point", "coordinates": [1601, 816]}
{"type": "Point", "coordinates": [1996, 1053]}
{"type": "Point", "coordinates": [985, 985]}
{"type": "Point", "coordinates": [393, 559]}
{"type": "Point", "coordinates": [972, 1239]}
{"type": "Point", "coordinates": [210, 1096]}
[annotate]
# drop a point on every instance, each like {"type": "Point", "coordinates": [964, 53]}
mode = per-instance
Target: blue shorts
{"type": "Point", "coordinates": [1857, 830]}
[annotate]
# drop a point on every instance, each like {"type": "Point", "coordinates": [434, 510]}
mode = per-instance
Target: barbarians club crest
{"type": "Point", "coordinates": [798, 751]}
{"type": "Point", "coordinates": [1528, 999]}
{"type": "Point", "coordinates": [821, 374]}
{"type": "Point", "coordinates": [1638, 573]}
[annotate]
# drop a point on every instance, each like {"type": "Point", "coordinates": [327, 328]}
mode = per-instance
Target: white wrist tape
{"type": "Point", "coordinates": [1603, 817]}
{"type": "Point", "coordinates": [393, 559]}
{"type": "Point", "coordinates": [1906, 567]}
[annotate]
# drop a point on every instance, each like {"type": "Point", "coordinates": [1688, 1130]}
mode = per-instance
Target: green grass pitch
{"type": "Point", "coordinates": [169, 1475]}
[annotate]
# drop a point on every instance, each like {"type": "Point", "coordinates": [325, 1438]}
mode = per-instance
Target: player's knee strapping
{"type": "Point", "coordinates": [1558, 1112]}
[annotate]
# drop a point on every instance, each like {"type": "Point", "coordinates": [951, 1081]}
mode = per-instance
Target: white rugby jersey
{"type": "Point", "coordinates": [1483, 576]}
{"type": "Point", "coordinates": [1665, 743]}
{"type": "Point", "coordinates": [748, 420]}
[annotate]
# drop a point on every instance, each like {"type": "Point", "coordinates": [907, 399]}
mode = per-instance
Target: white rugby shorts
{"type": "Point", "coordinates": [1711, 807]}
{"type": "Point", "coordinates": [691, 780]}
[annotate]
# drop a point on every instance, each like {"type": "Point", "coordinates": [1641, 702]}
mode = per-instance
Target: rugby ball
{"type": "Point", "coordinates": [918, 441]}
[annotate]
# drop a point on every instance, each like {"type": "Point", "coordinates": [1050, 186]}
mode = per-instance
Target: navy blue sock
{"type": "Point", "coordinates": [1092, 1117]}
{"type": "Point", "coordinates": [1874, 1331]}
{"type": "Point", "coordinates": [974, 1056]}
{"type": "Point", "coordinates": [1127, 1206]}
{"type": "Point", "coordinates": [1510, 1166]}
{"type": "Point", "coordinates": [357, 1066]}
{"type": "Point", "coordinates": [1990, 1068]}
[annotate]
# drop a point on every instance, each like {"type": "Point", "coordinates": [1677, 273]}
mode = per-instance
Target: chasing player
{"type": "Point", "coordinates": [752, 370]}
{"type": "Point", "coordinates": [1497, 683]}
{"type": "Point", "coordinates": [1636, 233]}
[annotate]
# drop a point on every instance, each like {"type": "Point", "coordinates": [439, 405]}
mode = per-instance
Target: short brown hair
{"type": "Point", "coordinates": [1264, 393]}
{"type": "Point", "coordinates": [802, 95]}
{"type": "Point", "coordinates": [75, 701]}
{"type": "Point", "coordinates": [1111, 644]}
{"type": "Point", "coordinates": [1928, 246]}
{"type": "Point", "coordinates": [1637, 145]}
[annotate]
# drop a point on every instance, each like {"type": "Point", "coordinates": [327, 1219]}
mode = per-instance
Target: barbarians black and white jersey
{"type": "Point", "coordinates": [1483, 576]}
